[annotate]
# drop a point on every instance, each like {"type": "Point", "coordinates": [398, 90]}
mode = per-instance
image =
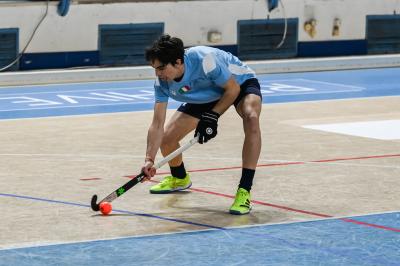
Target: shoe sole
{"type": "Point", "coordinates": [238, 212]}
{"type": "Point", "coordinates": [170, 191]}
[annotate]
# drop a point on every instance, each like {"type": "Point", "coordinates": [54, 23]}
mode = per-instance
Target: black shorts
{"type": "Point", "coordinates": [250, 86]}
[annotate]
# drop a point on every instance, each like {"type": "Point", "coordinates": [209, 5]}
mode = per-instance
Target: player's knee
{"type": "Point", "coordinates": [251, 121]}
{"type": "Point", "coordinates": [251, 117]}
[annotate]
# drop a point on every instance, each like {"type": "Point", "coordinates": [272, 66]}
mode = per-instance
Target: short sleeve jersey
{"type": "Point", "coordinates": [207, 69]}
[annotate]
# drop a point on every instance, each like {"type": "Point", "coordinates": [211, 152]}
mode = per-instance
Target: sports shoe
{"type": "Point", "coordinates": [241, 205]}
{"type": "Point", "coordinates": [171, 184]}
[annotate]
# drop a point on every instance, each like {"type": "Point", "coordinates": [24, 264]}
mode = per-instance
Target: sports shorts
{"type": "Point", "coordinates": [250, 86]}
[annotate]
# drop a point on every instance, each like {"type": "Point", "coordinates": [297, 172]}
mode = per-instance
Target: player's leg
{"type": "Point", "coordinates": [248, 106]}
{"type": "Point", "coordinates": [182, 123]}
{"type": "Point", "coordinates": [176, 129]}
{"type": "Point", "coordinates": [250, 109]}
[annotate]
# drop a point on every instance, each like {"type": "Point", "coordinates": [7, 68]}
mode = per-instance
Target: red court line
{"type": "Point", "coordinates": [230, 168]}
{"type": "Point", "coordinates": [262, 203]}
{"type": "Point", "coordinates": [289, 163]}
{"type": "Point", "coordinates": [348, 220]}
{"type": "Point", "coordinates": [370, 225]}
{"type": "Point", "coordinates": [357, 158]}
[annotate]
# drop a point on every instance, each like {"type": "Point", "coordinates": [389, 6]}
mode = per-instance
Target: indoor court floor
{"type": "Point", "coordinates": [326, 191]}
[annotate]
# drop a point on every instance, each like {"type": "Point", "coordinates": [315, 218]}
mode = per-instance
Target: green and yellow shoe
{"type": "Point", "coordinates": [171, 184]}
{"type": "Point", "coordinates": [241, 205]}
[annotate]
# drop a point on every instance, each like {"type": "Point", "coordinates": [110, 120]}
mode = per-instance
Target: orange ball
{"type": "Point", "coordinates": [105, 208]}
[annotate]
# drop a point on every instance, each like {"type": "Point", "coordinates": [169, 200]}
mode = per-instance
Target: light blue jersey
{"type": "Point", "coordinates": [207, 69]}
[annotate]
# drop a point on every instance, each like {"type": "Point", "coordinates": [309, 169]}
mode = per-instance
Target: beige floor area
{"type": "Point", "coordinates": [304, 174]}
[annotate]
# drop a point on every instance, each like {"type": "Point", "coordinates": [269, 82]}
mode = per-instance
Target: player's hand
{"type": "Point", "coordinates": [148, 170]}
{"type": "Point", "coordinates": [207, 126]}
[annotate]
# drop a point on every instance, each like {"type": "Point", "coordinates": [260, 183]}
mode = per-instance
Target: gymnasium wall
{"type": "Point", "coordinates": [73, 40]}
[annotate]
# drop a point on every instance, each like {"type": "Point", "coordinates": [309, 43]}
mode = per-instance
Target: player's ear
{"type": "Point", "coordinates": [178, 61]}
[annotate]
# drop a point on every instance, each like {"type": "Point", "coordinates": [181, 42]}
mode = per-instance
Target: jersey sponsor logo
{"type": "Point", "coordinates": [184, 89]}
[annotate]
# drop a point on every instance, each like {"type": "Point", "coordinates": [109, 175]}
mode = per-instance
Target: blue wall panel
{"type": "Point", "coordinates": [59, 60]}
{"type": "Point", "coordinates": [332, 48]}
{"type": "Point", "coordinates": [383, 34]}
{"type": "Point", "coordinates": [8, 47]}
{"type": "Point", "coordinates": [125, 44]}
{"type": "Point", "coordinates": [259, 38]}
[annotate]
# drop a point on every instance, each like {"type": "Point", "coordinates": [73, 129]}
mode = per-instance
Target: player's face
{"type": "Point", "coordinates": [168, 72]}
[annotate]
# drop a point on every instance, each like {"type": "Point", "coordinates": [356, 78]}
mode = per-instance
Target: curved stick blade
{"type": "Point", "coordinates": [94, 204]}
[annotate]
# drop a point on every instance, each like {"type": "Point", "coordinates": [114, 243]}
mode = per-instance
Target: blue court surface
{"type": "Point", "coordinates": [362, 240]}
{"type": "Point", "coordinates": [325, 242]}
{"type": "Point", "coordinates": [109, 97]}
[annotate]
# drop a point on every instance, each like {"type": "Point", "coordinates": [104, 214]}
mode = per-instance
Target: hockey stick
{"type": "Point", "coordinates": [124, 188]}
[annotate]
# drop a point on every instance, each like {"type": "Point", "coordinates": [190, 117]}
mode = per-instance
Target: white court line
{"type": "Point", "coordinates": [267, 81]}
{"type": "Point", "coordinates": [278, 94]}
{"type": "Point", "coordinates": [116, 102]}
{"type": "Point", "coordinates": [346, 88]}
{"type": "Point", "coordinates": [86, 90]}
{"type": "Point", "coordinates": [72, 116]}
{"type": "Point", "coordinates": [84, 105]}
{"type": "Point", "coordinates": [331, 83]}
{"type": "Point", "coordinates": [66, 84]}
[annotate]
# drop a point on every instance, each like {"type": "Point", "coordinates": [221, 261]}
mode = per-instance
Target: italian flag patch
{"type": "Point", "coordinates": [184, 89]}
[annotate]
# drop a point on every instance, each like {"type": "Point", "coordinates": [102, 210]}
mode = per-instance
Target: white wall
{"type": "Point", "coordinates": [190, 20]}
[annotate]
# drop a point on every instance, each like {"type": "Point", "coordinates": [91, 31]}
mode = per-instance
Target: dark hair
{"type": "Point", "coordinates": [166, 49]}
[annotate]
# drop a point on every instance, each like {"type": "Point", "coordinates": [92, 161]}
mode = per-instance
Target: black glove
{"type": "Point", "coordinates": [207, 126]}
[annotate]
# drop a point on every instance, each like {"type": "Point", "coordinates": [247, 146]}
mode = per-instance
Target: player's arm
{"type": "Point", "coordinates": [156, 130]}
{"type": "Point", "coordinates": [154, 137]}
{"type": "Point", "coordinates": [231, 92]}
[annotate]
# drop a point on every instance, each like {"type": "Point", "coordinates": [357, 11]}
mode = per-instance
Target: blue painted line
{"type": "Point", "coordinates": [44, 200]}
{"type": "Point", "coordinates": [114, 210]}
